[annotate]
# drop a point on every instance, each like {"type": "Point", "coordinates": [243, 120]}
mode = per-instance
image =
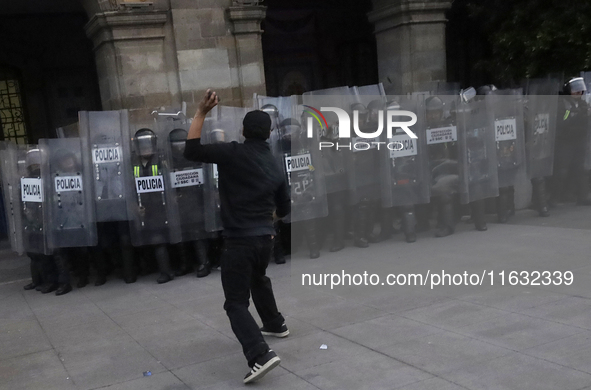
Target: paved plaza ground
{"type": "Point", "coordinates": [383, 337]}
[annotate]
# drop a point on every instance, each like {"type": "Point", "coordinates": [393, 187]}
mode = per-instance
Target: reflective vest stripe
{"type": "Point", "coordinates": [566, 114]}
{"type": "Point", "coordinates": [136, 170]}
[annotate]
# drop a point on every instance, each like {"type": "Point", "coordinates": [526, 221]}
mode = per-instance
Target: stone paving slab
{"type": "Point", "coordinates": [412, 338]}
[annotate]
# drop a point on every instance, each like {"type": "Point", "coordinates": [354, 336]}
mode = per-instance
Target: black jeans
{"type": "Point", "coordinates": [244, 264]}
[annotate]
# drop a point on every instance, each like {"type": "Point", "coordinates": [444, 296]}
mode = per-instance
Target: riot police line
{"type": "Point", "coordinates": [473, 148]}
{"type": "Point", "coordinates": [122, 195]}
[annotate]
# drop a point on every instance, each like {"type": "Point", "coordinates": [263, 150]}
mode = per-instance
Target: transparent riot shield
{"type": "Point", "coordinates": [33, 200]}
{"type": "Point", "coordinates": [279, 109]}
{"type": "Point", "coordinates": [326, 127]}
{"type": "Point", "coordinates": [368, 93]}
{"type": "Point", "coordinates": [440, 87]}
{"type": "Point", "coordinates": [363, 158]}
{"type": "Point", "coordinates": [507, 109]}
{"type": "Point", "coordinates": [106, 135]}
{"type": "Point", "coordinates": [540, 125]}
{"type": "Point", "coordinates": [66, 179]}
{"type": "Point", "coordinates": [11, 196]}
{"type": "Point", "coordinates": [477, 152]}
{"type": "Point", "coordinates": [184, 179]}
{"type": "Point", "coordinates": [440, 132]}
{"type": "Point", "coordinates": [298, 156]}
{"type": "Point", "coordinates": [150, 204]}
{"type": "Point", "coordinates": [404, 162]}
{"type": "Point", "coordinates": [223, 125]}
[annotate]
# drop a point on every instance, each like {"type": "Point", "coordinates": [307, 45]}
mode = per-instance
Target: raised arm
{"type": "Point", "coordinates": [209, 101]}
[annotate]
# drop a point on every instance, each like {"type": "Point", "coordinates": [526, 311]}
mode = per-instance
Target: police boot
{"type": "Point", "coordinates": [203, 263]}
{"type": "Point", "coordinates": [361, 221]}
{"type": "Point", "coordinates": [511, 205]}
{"type": "Point", "coordinates": [409, 223]}
{"type": "Point", "coordinates": [338, 229]}
{"type": "Point", "coordinates": [422, 213]}
{"type": "Point", "coordinates": [100, 265]}
{"type": "Point", "coordinates": [446, 219]}
{"type": "Point", "coordinates": [311, 232]}
{"type": "Point", "coordinates": [386, 227]}
{"type": "Point", "coordinates": [349, 221]}
{"type": "Point", "coordinates": [63, 289]}
{"type": "Point", "coordinates": [128, 262]}
{"type": "Point", "coordinates": [184, 260]}
{"type": "Point", "coordinates": [162, 258]}
{"type": "Point", "coordinates": [539, 195]}
{"type": "Point", "coordinates": [371, 224]}
{"type": "Point", "coordinates": [583, 190]}
{"type": "Point", "coordinates": [477, 210]}
{"type": "Point", "coordinates": [36, 274]}
{"type": "Point", "coordinates": [502, 205]}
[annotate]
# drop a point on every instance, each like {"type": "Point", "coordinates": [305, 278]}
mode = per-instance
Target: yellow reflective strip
{"type": "Point", "coordinates": [154, 170]}
{"type": "Point", "coordinates": [566, 115]}
{"type": "Point", "coordinates": [136, 171]}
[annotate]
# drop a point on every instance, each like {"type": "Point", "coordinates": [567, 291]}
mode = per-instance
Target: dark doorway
{"type": "Point", "coordinates": [310, 45]}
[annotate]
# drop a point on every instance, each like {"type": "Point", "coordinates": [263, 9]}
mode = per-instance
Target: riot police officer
{"type": "Point", "coordinates": [572, 142]}
{"type": "Point", "coordinates": [44, 272]}
{"type": "Point", "coordinates": [443, 160]}
{"type": "Point", "coordinates": [293, 142]}
{"type": "Point", "coordinates": [189, 201]}
{"type": "Point", "coordinates": [153, 219]}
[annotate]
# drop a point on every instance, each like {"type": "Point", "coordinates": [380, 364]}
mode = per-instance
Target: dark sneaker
{"type": "Point", "coordinates": [262, 365]}
{"type": "Point", "coordinates": [281, 332]}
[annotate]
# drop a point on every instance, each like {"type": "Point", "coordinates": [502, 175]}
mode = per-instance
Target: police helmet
{"type": "Point", "coordinates": [575, 85]}
{"type": "Point", "coordinates": [177, 139]}
{"type": "Point", "coordinates": [217, 136]}
{"type": "Point", "coordinates": [145, 142]}
{"type": "Point", "coordinates": [65, 160]}
{"type": "Point", "coordinates": [33, 161]}
{"type": "Point", "coordinates": [433, 103]}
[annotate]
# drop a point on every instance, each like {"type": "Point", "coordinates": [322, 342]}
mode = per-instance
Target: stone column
{"type": "Point", "coordinates": [135, 63]}
{"type": "Point", "coordinates": [247, 31]}
{"type": "Point", "coordinates": [410, 36]}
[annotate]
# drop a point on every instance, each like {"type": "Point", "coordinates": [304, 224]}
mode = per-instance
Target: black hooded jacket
{"type": "Point", "coordinates": [251, 184]}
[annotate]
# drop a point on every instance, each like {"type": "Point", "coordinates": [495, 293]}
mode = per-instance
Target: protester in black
{"type": "Point", "coordinates": [251, 188]}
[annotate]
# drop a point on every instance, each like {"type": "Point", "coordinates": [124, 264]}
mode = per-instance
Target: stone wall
{"type": "Point", "coordinates": [169, 52]}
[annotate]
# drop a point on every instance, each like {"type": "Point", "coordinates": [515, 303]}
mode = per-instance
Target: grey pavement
{"type": "Point", "coordinates": [383, 337]}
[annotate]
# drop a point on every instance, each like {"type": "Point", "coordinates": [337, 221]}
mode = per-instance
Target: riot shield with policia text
{"type": "Point", "coordinates": [184, 179]}
{"type": "Point", "coordinates": [32, 200]}
{"type": "Point", "coordinates": [363, 159]}
{"type": "Point", "coordinates": [404, 166]}
{"type": "Point", "coordinates": [440, 132]}
{"type": "Point", "coordinates": [152, 215]}
{"type": "Point", "coordinates": [333, 157]}
{"type": "Point", "coordinates": [540, 125]}
{"type": "Point", "coordinates": [507, 109]}
{"type": "Point", "coordinates": [106, 135]}
{"type": "Point", "coordinates": [477, 152]}
{"type": "Point", "coordinates": [297, 155]}
{"type": "Point", "coordinates": [66, 177]}
{"type": "Point", "coordinates": [224, 124]}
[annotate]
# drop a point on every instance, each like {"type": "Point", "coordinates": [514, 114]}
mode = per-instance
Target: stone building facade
{"type": "Point", "coordinates": [114, 54]}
